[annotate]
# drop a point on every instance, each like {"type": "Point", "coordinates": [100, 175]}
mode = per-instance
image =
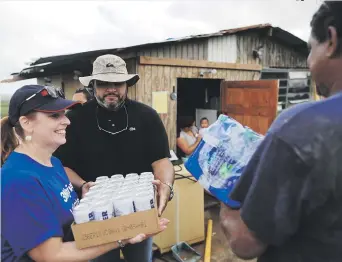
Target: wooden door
{"type": "Point", "coordinates": [252, 103]}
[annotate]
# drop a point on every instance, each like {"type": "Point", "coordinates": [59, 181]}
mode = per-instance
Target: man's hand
{"type": "Point", "coordinates": [230, 220]}
{"type": "Point", "coordinates": [242, 241]}
{"type": "Point", "coordinates": [164, 174]}
{"type": "Point", "coordinates": [86, 187]}
{"type": "Point", "coordinates": [164, 192]}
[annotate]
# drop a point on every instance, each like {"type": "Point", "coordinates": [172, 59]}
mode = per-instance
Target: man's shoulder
{"type": "Point", "coordinates": [310, 127]}
{"type": "Point", "coordinates": [290, 116]}
{"type": "Point", "coordinates": [310, 116]}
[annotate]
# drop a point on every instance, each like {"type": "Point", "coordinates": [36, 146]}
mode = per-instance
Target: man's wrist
{"type": "Point", "coordinates": [170, 186]}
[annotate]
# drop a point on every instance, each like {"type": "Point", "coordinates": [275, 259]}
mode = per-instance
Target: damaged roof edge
{"type": "Point", "coordinates": [292, 39]}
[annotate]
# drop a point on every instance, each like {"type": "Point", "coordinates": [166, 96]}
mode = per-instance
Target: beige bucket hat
{"type": "Point", "coordinates": [110, 68]}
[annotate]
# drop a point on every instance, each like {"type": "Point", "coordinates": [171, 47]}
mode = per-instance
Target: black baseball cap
{"type": "Point", "coordinates": [37, 98]}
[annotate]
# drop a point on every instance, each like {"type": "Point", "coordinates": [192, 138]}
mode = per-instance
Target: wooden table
{"type": "Point", "coordinates": [185, 212]}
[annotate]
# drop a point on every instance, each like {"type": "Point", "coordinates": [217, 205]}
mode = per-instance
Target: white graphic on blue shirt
{"type": "Point", "coordinates": [66, 192]}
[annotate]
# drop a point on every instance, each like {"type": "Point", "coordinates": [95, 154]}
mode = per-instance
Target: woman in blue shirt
{"type": "Point", "coordinates": [37, 197]}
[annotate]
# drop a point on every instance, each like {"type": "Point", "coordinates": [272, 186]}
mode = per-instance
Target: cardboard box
{"type": "Point", "coordinates": [184, 226]}
{"type": "Point", "coordinates": [96, 233]}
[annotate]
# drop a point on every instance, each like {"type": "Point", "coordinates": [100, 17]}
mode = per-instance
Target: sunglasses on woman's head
{"type": "Point", "coordinates": [50, 91]}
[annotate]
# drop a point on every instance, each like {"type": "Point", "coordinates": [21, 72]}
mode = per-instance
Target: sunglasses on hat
{"type": "Point", "coordinates": [47, 91]}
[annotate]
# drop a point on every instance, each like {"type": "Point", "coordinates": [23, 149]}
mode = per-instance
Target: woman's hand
{"type": "Point", "coordinates": [198, 138]}
{"type": "Point", "coordinates": [141, 237]}
{"type": "Point", "coordinates": [86, 187]}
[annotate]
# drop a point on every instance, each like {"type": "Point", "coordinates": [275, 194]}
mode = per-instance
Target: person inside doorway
{"type": "Point", "coordinates": [204, 124]}
{"type": "Point", "coordinates": [187, 141]}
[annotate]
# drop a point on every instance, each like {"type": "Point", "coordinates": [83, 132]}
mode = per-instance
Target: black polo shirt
{"type": "Point", "coordinates": [291, 189]}
{"type": "Point", "coordinates": [91, 152]}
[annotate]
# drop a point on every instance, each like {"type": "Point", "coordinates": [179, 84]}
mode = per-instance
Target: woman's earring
{"type": "Point", "coordinates": [28, 138]}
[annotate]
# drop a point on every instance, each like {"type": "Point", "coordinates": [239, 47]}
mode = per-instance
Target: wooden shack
{"type": "Point", "coordinates": [202, 71]}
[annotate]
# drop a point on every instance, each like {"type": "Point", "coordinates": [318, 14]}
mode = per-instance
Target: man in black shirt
{"type": "Point", "coordinates": [115, 135]}
{"type": "Point", "coordinates": [291, 190]}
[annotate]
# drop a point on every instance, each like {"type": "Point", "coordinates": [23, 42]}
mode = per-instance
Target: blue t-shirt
{"type": "Point", "coordinates": [36, 205]}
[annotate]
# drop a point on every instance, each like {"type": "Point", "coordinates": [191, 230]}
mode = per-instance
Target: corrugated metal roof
{"type": "Point", "coordinates": [60, 62]}
{"type": "Point", "coordinates": [277, 32]}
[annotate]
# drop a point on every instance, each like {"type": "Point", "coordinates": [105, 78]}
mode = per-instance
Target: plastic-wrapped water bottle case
{"type": "Point", "coordinates": [221, 156]}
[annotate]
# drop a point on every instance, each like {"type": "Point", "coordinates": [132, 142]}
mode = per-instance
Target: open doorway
{"type": "Point", "coordinates": [193, 93]}
{"type": "Point", "coordinates": [198, 98]}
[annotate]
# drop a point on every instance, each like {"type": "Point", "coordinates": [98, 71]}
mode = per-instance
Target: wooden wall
{"type": "Point", "coordinates": [164, 78]}
{"type": "Point", "coordinates": [236, 48]}
{"type": "Point", "coordinates": [194, 49]}
{"type": "Point", "coordinates": [275, 54]}
{"type": "Point", "coordinates": [131, 65]}
{"type": "Point", "coordinates": [278, 55]}
{"type": "Point", "coordinates": [222, 49]}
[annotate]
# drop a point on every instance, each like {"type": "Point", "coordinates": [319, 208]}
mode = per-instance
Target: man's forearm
{"type": "Point", "coordinates": [164, 171]}
{"type": "Point", "coordinates": [74, 178]}
{"type": "Point", "coordinates": [164, 175]}
{"type": "Point", "coordinates": [242, 241]}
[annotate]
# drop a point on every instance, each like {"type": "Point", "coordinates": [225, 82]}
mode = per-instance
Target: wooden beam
{"type": "Point", "coordinates": [147, 60]}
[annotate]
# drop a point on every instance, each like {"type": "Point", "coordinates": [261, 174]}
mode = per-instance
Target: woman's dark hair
{"type": "Point", "coordinates": [9, 140]}
{"type": "Point", "coordinates": [85, 92]}
{"type": "Point", "coordinates": [328, 14]}
{"type": "Point", "coordinates": [185, 121]}
{"type": "Point", "coordinates": [9, 136]}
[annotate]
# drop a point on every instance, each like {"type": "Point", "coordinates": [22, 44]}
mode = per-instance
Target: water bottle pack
{"type": "Point", "coordinates": [116, 196]}
{"type": "Point", "coordinates": [221, 156]}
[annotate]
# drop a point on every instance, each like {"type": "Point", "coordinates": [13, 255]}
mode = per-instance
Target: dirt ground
{"type": "Point", "coordinates": [220, 251]}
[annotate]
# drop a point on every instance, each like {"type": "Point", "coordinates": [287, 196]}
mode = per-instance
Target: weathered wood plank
{"type": "Point", "coordinates": [173, 51]}
{"type": "Point", "coordinates": [167, 51]}
{"type": "Point", "coordinates": [148, 85]}
{"type": "Point", "coordinates": [195, 51]}
{"type": "Point", "coordinates": [144, 60]}
{"type": "Point", "coordinates": [173, 109]}
{"type": "Point", "coordinates": [184, 51]}
{"type": "Point", "coordinates": [179, 51]}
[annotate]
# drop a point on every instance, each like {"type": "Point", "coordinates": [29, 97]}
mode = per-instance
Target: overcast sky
{"type": "Point", "coordinates": [30, 30]}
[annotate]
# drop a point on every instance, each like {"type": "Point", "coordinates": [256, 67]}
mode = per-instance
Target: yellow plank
{"type": "Point", "coordinates": [207, 253]}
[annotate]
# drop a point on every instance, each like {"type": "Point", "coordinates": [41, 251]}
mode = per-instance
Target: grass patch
{"type": "Point", "coordinates": [4, 108]}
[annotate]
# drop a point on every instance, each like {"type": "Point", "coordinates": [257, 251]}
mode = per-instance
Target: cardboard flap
{"type": "Point", "coordinates": [95, 233]}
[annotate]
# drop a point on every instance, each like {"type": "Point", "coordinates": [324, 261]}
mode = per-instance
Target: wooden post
{"type": "Point", "coordinates": [207, 253]}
